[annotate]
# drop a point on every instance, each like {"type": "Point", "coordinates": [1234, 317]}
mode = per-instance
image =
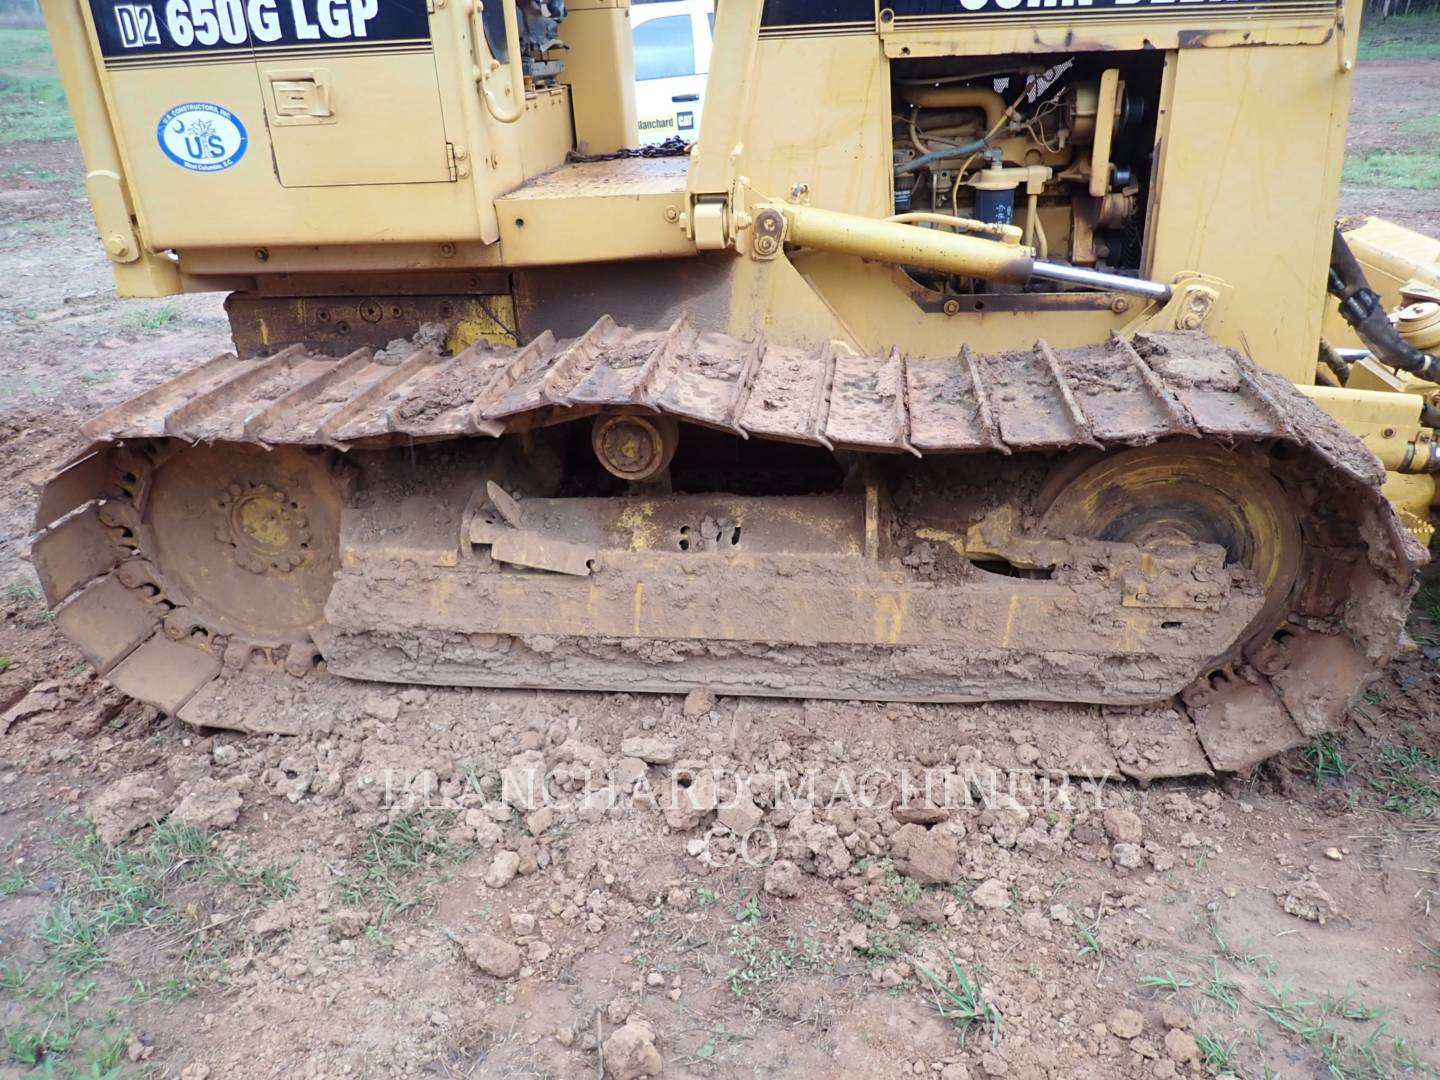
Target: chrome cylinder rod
{"type": "Point", "coordinates": [1098, 279]}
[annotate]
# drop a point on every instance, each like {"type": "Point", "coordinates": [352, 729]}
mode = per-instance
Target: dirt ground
{"type": "Point", "coordinates": [1395, 107]}
{"type": "Point", "coordinates": [386, 894]}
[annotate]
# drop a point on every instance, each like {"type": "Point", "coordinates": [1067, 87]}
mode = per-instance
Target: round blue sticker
{"type": "Point", "coordinates": [202, 136]}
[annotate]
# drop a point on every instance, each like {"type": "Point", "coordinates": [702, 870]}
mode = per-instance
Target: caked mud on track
{"type": "Point", "coordinates": [1155, 531]}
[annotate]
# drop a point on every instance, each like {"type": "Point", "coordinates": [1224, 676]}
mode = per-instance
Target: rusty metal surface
{"type": "Point", "coordinates": [339, 324]}
{"type": "Point", "coordinates": [127, 616]}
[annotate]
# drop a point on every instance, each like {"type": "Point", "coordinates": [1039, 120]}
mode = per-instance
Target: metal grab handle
{"type": "Point", "coordinates": [516, 87]}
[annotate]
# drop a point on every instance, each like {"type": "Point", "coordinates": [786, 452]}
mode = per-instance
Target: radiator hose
{"type": "Point", "coordinates": [1361, 308]}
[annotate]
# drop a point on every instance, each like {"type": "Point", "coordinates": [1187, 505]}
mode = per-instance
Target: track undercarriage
{"type": "Point", "coordinates": [1154, 528]}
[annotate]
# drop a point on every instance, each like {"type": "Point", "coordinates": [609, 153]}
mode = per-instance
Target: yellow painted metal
{"type": "Point", "coordinates": [1419, 324]}
{"type": "Point", "coordinates": [725, 119]}
{"type": "Point", "coordinates": [504, 97]}
{"type": "Point", "coordinates": [600, 71]}
{"type": "Point", "coordinates": [1370, 376]}
{"type": "Point", "coordinates": [1106, 113]}
{"type": "Point", "coordinates": [1387, 423]}
{"type": "Point", "coordinates": [489, 320]}
{"type": "Point", "coordinates": [873, 305]}
{"type": "Point", "coordinates": [1223, 207]}
{"type": "Point", "coordinates": [956, 97]}
{"type": "Point", "coordinates": [1195, 26]}
{"type": "Point", "coordinates": [385, 126]}
{"type": "Point", "coordinates": [906, 245]}
{"type": "Point", "coordinates": [631, 208]}
{"type": "Point", "coordinates": [408, 154]}
{"type": "Point", "coordinates": [1393, 255]}
{"type": "Point", "coordinates": [1367, 374]}
{"type": "Point", "coordinates": [1412, 495]}
{"type": "Point", "coordinates": [842, 152]}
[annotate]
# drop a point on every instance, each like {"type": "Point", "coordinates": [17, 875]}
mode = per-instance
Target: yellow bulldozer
{"type": "Point", "coordinates": [976, 350]}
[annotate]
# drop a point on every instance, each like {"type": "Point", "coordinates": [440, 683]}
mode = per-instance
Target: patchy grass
{"type": "Point", "coordinates": [1221, 989]}
{"type": "Point", "coordinates": [394, 855]}
{"type": "Point", "coordinates": [1424, 125]}
{"type": "Point", "coordinates": [1324, 758]}
{"type": "Point", "coordinates": [157, 317]}
{"type": "Point", "coordinates": [758, 959]}
{"type": "Point", "coordinates": [160, 904]}
{"type": "Point", "coordinates": [716, 1039]}
{"type": "Point", "coordinates": [1409, 170]}
{"type": "Point", "coordinates": [15, 234]}
{"type": "Point", "coordinates": [1089, 942]}
{"type": "Point", "coordinates": [1218, 1054]}
{"type": "Point", "coordinates": [888, 939]}
{"type": "Point", "coordinates": [759, 962]}
{"type": "Point", "coordinates": [886, 942]}
{"type": "Point", "coordinates": [960, 998]}
{"type": "Point", "coordinates": [121, 888]}
{"type": "Point", "coordinates": [1166, 982]}
{"type": "Point", "coordinates": [1400, 37]}
{"type": "Point", "coordinates": [1408, 779]}
{"type": "Point", "coordinates": [1432, 950]}
{"type": "Point", "coordinates": [15, 880]}
{"type": "Point", "coordinates": [32, 103]}
{"type": "Point", "coordinates": [1262, 1024]}
{"type": "Point", "coordinates": [749, 914]}
{"type": "Point", "coordinates": [22, 49]}
{"type": "Point", "coordinates": [39, 175]}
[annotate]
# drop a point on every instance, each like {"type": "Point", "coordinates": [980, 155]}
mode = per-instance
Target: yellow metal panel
{"type": "Point", "coordinates": [593, 211]}
{"type": "Point", "coordinates": [546, 130]}
{"type": "Point", "coordinates": [600, 71]}
{"type": "Point", "coordinates": [384, 127]}
{"type": "Point", "coordinates": [872, 303]}
{"type": "Point", "coordinates": [1384, 421]}
{"type": "Point", "coordinates": [727, 122]}
{"type": "Point", "coordinates": [1412, 495]}
{"type": "Point", "coordinates": [832, 133]}
{"type": "Point", "coordinates": [1202, 28]}
{"type": "Point", "coordinates": [1247, 187]}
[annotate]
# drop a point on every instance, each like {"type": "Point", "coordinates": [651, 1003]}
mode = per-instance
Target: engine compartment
{"type": "Point", "coordinates": [1064, 151]}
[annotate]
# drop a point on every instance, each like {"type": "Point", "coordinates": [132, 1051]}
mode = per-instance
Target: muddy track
{"type": "Point", "coordinates": [1282, 666]}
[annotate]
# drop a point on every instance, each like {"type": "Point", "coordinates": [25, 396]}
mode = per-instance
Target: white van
{"type": "Point", "coordinates": [672, 56]}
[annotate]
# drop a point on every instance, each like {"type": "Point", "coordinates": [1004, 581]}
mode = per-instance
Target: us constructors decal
{"type": "Point", "coordinates": [202, 137]}
{"type": "Point", "coordinates": [212, 31]}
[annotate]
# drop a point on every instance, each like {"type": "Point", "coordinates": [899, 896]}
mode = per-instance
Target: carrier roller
{"type": "Point", "coordinates": [1172, 545]}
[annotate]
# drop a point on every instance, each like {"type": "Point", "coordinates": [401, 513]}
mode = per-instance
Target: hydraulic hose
{"type": "Point", "coordinates": [1362, 309]}
{"type": "Point", "coordinates": [1335, 362]}
{"type": "Point", "coordinates": [925, 160]}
